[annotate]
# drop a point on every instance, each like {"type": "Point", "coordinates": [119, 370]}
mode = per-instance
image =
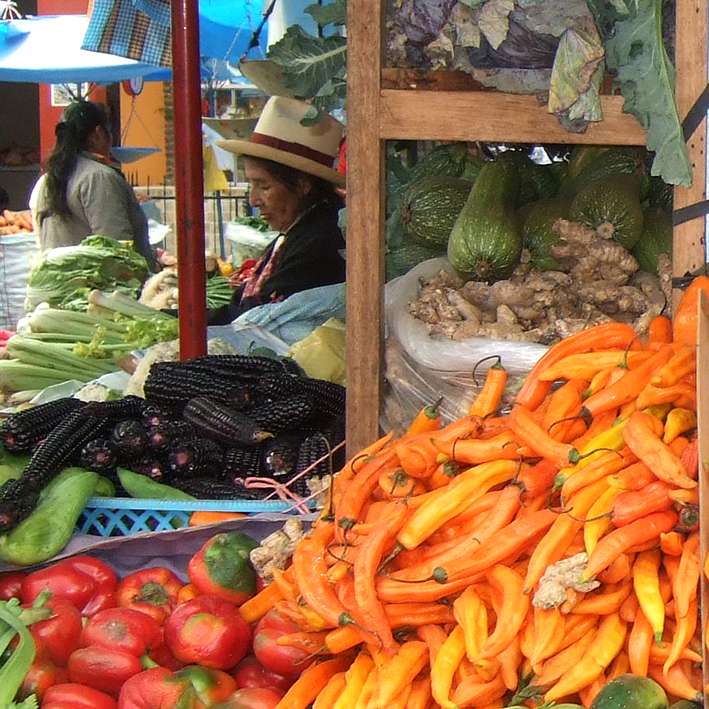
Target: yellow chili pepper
{"type": "Point", "coordinates": [607, 643]}
{"type": "Point", "coordinates": [646, 584]}
{"type": "Point", "coordinates": [678, 421]}
{"type": "Point", "coordinates": [444, 666]}
{"type": "Point", "coordinates": [598, 520]}
{"type": "Point", "coordinates": [355, 677]}
{"type": "Point", "coordinates": [398, 673]}
{"type": "Point", "coordinates": [471, 614]}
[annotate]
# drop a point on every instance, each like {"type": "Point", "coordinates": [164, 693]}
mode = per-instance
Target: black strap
{"type": "Point", "coordinates": [692, 211]}
{"type": "Point", "coordinates": [696, 114]}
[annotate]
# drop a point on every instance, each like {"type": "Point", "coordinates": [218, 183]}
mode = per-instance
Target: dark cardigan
{"type": "Point", "coordinates": [311, 256]}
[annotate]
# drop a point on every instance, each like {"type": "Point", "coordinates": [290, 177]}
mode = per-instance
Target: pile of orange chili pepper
{"type": "Point", "coordinates": [418, 587]}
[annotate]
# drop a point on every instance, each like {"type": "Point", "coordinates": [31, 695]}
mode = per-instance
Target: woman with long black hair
{"type": "Point", "coordinates": [82, 192]}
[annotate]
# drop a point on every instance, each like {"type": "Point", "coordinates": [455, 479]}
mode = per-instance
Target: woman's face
{"type": "Point", "coordinates": [277, 205]}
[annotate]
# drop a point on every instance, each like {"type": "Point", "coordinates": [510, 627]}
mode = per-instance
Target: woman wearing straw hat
{"type": "Point", "coordinates": [293, 184]}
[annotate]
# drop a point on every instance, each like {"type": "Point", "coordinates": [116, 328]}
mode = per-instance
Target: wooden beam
{"type": "Point", "coordinates": [689, 249]}
{"type": "Point", "coordinates": [489, 116]}
{"type": "Point", "coordinates": [366, 182]}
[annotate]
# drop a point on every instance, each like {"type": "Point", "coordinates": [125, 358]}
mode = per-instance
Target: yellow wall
{"type": "Point", "coordinates": [143, 126]}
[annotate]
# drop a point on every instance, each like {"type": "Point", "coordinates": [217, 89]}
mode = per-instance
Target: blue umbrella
{"type": "Point", "coordinates": [48, 50]}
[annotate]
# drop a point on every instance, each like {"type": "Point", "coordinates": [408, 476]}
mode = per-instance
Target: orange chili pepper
{"type": "Point", "coordinates": [564, 404]}
{"type": "Point", "coordinates": [659, 331]}
{"type": "Point", "coordinates": [633, 477]}
{"type": "Point", "coordinates": [434, 636]}
{"type": "Point", "coordinates": [257, 606]}
{"type": "Point", "coordinates": [330, 693]}
{"type": "Point", "coordinates": [477, 450]}
{"type": "Point", "coordinates": [355, 677]}
{"type": "Point", "coordinates": [609, 600]}
{"type": "Point", "coordinates": [630, 505]}
{"type": "Point", "coordinates": [470, 613]}
{"type": "Point", "coordinates": [671, 543]}
{"type": "Point", "coordinates": [397, 673]}
{"type": "Point", "coordinates": [510, 660]}
{"type": "Point", "coordinates": [618, 570]}
{"type": "Point", "coordinates": [686, 583]}
{"type": "Point", "coordinates": [640, 436]}
{"type": "Point", "coordinates": [603, 336]}
{"type": "Point", "coordinates": [643, 530]}
{"type": "Point", "coordinates": [640, 640]}
{"type": "Point", "coordinates": [417, 455]}
{"type": "Point", "coordinates": [598, 520]}
{"type": "Point", "coordinates": [489, 397]}
{"type": "Point", "coordinates": [311, 682]}
{"type": "Point", "coordinates": [682, 363]}
{"type": "Point", "coordinates": [560, 663]}
{"type": "Point", "coordinates": [549, 629]}
{"type": "Point", "coordinates": [199, 517]}
{"type": "Point", "coordinates": [428, 419]}
{"type": "Point", "coordinates": [420, 695]}
{"type": "Point", "coordinates": [677, 681]}
{"type": "Point", "coordinates": [684, 631]}
{"type": "Point", "coordinates": [586, 365]}
{"type": "Point", "coordinates": [471, 693]}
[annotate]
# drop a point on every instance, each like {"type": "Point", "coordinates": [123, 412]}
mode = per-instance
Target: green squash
{"type": "Point", "coordinates": [538, 235]}
{"type": "Point", "coordinates": [486, 240]}
{"type": "Point", "coordinates": [430, 207]}
{"type": "Point", "coordinates": [630, 692]}
{"type": "Point", "coordinates": [655, 240]}
{"type": "Point", "coordinates": [611, 206]}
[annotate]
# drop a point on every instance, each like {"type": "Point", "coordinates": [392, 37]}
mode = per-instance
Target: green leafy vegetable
{"type": "Point", "coordinates": [636, 54]}
{"type": "Point", "coordinates": [97, 262]}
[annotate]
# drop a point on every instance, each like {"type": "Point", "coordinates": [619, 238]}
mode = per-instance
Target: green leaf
{"type": "Point", "coordinates": [309, 62]}
{"type": "Point", "coordinates": [334, 13]}
{"type": "Point", "coordinates": [646, 77]}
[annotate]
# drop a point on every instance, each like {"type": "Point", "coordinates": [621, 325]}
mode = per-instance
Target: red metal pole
{"type": "Point", "coordinates": [189, 200]}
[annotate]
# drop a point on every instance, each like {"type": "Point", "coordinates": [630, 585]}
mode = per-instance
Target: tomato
{"type": "Point", "coordinates": [76, 696]}
{"type": "Point", "coordinates": [42, 674]}
{"type": "Point", "coordinates": [11, 584]}
{"type": "Point", "coordinates": [102, 668]}
{"type": "Point", "coordinates": [281, 659]}
{"type": "Point", "coordinates": [208, 631]}
{"type": "Point", "coordinates": [152, 591]}
{"type": "Point", "coordinates": [122, 629]}
{"type": "Point", "coordinates": [59, 635]}
{"type": "Point", "coordinates": [252, 698]}
{"type": "Point", "coordinates": [251, 673]}
{"type": "Point", "coordinates": [158, 688]}
{"type": "Point", "coordinates": [211, 686]}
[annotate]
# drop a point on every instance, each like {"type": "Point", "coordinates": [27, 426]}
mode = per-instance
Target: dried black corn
{"type": "Point", "coordinates": [129, 407]}
{"type": "Point", "coordinates": [201, 456]}
{"type": "Point", "coordinates": [282, 415]}
{"type": "Point", "coordinates": [173, 385]}
{"type": "Point", "coordinates": [329, 397]}
{"type": "Point", "coordinates": [242, 462]}
{"type": "Point", "coordinates": [23, 429]}
{"type": "Point", "coordinates": [99, 455]}
{"type": "Point", "coordinates": [220, 422]}
{"type": "Point", "coordinates": [64, 442]}
{"type": "Point", "coordinates": [18, 499]}
{"type": "Point", "coordinates": [280, 455]}
{"type": "Point", "coordinates": [130, 439]}
{"type": "Point", "coordinates": [168, 434]}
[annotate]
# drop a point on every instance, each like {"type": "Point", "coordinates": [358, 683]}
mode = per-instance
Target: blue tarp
{"type": "Point", "coordinates": [47, 50]}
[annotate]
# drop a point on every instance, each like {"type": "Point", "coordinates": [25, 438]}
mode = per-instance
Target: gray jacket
{"type": "Point", "coordinates": [101, 202]}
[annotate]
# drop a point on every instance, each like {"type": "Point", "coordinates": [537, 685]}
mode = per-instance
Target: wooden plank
{"type": "Point", "coordinates": [496, 117]}
{"type": "Point", "coordinates": [365, 223]}
{"type": "Point", "coordinates": [691, 63]}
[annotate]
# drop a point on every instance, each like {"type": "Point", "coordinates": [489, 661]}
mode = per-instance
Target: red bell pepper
{"type": "Point", "coordinates": [11, 584]}
{"type": "Point", "coordinates": [87, 582]}
{"type": "Point", "coordinates": [212, 686]}
{"type": "Point", "coordinates": [208, 631]}
{"type": "Point", "coordinates": [158, 688]}
{"type": "Point", "coordinates": [42, 675]}
{"type": "Point", "coordinates": [122, 629]}
{"type": "Point", "coordinates": [103, 668]}
{"type": "Point", "coordinates": [59, 634]}
{"type": "Point", "coordinates": [152, 591]}
{"type": "Point", "coordinates": [222, 567]}
{"type": "Point", "coordinates": [76, 696]}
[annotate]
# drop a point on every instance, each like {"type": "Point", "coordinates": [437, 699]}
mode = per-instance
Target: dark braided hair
{"type": "Point", "coordinates": [79, 120]}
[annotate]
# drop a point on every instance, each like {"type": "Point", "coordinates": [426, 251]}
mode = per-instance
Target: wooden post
{"type": "Point", "coordinates": [689, 249]}
{"type": "Point", "coordinates": [366, 182]}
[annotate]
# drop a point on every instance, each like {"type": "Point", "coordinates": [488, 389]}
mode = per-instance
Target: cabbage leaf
{"type": "Point", "coordinates": [636, 53]}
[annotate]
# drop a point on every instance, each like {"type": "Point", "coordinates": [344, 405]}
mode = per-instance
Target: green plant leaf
{"type": "Point", "coordinates": [334, 13]}
{"type": "Point", "coordinates": [646, 76]}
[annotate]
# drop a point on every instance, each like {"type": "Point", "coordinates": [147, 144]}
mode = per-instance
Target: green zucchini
{"type": "Point", "coordinates": [656, 239]}
{"type": "Point", "coordinates": [48, 529]}
{"type": "Point", "coordinates": [631, 692]}
{"type": "Point", "coordinates": [430, 207]}
{"type": "Point", "coordinates": [538, 235]}
{"type": "Point", "coordinates": [144, 488]}
{"type": "Point", "coordinates": [611, 206]}
{"type": "Point", "coordinates": [486, 240]}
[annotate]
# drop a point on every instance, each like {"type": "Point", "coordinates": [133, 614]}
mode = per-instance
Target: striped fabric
{"type": "Point", "coordinates": [137, 29]}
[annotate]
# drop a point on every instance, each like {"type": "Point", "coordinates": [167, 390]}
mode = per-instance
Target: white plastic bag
{"type": "Point", "coordinates": [246, 242]}
{"type": "Point", "coordinates": [16, 252]}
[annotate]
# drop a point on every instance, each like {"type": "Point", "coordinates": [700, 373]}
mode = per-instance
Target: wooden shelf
{"type": "Point", "coordinates": [416, 106]}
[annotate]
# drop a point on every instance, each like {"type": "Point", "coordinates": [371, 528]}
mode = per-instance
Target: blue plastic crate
{"type": "Point", "coordinates": [120, 516]}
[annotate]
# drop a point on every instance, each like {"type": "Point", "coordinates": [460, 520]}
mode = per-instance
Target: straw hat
{"type": "Point", "coordinates": [280, 136]}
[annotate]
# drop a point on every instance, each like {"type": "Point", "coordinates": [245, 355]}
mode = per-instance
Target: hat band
{"type": "Point", "coordinates": [296, 148]}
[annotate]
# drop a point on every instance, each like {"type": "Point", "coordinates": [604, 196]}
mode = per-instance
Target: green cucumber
{"type": "Point", "coordinates": [48, 529]}
{"type": "Point", "coordinates": [142, 487]}
{"type": "Point", "coordinates": [631, 692]}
